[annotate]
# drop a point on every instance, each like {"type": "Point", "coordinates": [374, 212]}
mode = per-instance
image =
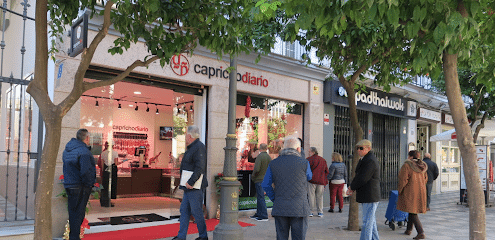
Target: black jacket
{"type": "Point", "coordinates": [432, 171]}
{"type": "Point", "coordinates": [367, 179]}
{"type": "Point", "coordinates": [195, 160]}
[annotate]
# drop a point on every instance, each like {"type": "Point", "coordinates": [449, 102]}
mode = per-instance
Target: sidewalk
{"type": "Point", "coordinates": [446, 221]}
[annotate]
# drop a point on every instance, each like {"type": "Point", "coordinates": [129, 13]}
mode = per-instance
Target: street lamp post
{"type": "Point", "coordinates": [229, 228]}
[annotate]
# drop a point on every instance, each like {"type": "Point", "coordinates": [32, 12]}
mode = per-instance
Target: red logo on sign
{"type": "Point", "coordinates": [179, 64]}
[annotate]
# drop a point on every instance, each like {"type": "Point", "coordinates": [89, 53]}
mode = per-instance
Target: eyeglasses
{"type": "Point", "coordinates": [360, 148]}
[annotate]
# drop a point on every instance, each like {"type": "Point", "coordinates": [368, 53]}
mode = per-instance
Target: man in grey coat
{"type": "Point", "coordinates": [290, 174]}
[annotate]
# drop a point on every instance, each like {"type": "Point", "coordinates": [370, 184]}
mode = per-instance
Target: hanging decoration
{"type": "Point", "coordinates": [248, 106]}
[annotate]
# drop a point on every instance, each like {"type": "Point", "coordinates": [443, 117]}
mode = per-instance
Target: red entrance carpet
{"type": "Point", "coordinates": [154, 232]}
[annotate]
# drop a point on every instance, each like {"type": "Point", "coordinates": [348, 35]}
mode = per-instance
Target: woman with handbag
{"type": "Point", "coordinates": [337, 177]}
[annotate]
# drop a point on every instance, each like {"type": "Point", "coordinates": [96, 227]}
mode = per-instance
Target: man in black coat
{"type": "Point", "coordinates": [366, 183]}
{"type": "Point", "coordinates": [194, 161]}
{"type": "Point", "coordinates": [432, 173]}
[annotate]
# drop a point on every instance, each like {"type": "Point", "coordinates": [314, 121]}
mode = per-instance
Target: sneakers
{"type": "Point", "coordinates": [320, 215]}
{"type": "Point", "coordinates": [261, 219]}
{"type": "Point", "coordinates": [311, 215]}
{"type": "Point", "coordinates": [340, 210]}
{"type": "Point", "coordinates": [254, 216]}
{"type": "Point", "coordinates": [330, 210]}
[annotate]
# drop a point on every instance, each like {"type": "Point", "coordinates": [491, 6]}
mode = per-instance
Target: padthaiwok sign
{"type": "Point", "coordinates": [370, 100]}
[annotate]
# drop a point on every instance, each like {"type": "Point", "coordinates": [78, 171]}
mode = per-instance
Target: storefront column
{"type": "Point", "coordinates": [436, 156]}
{"type": "Point", "coordinates": [70, 125]}
{"type": "Point", "coordinates": [313, 126]}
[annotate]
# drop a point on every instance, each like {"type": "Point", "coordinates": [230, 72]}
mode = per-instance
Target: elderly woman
{"type": "Point", "coordinates": [337, 176]}
{"type": "Point", "coordinates": [412, 192]}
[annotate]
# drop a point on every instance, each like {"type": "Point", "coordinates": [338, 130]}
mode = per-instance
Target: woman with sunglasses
{"type": "Point", "coordinates": [412, 192]}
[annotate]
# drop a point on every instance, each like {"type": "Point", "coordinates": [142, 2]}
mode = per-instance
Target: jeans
{"type": "Point", "coordinates": [77, 198]}
{"type": "Point", "coordinates": [316, 196]}
{"type": "Point", "coordinates": [192, 203]}
{"type": "Point", "coordinates": [336, 191]}
{"type": "Point", "coordinates": [369, 230]}
{"type": "Point", "coordinates": [260, 199]}
{"type": "Point", "coordinates": [296, 225]}
{"type": "Point", "coordinates": [428, 194]}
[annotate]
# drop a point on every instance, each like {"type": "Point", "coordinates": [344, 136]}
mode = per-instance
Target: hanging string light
{"type": "Point", "coordinates": [157, 109]}
{"type": "Point", "coordinates": [136, 107]}
{"type": "Point", "coordinates": [96, 104]}
{"type": "Point", "coordinates": [147, 108]}
{"type": "Point", "coordinates": [120, 106]}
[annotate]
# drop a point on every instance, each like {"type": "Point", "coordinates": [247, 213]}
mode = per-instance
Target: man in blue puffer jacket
{"type": "Point", "coordinates": [79, 178]}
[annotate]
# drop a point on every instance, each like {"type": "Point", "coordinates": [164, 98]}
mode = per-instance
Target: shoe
{"type": "Point", "coordinates": [177, 238]}
{"type": "Point", "coordinates": [340, 210]}
{"type": "Point", "coordinates": [311, 215]}
{"type": "Point", "coordinates": [200, 238]}
{"type": "Point", "coordinates": [408, 232]}
{"type": "Point", "coordinates": [420, 236]}
{"type": "Point", "coordinates": [254, 216]}
{"type": "Point", "coordinates": [320, 215]}
{"type": "Point", "coordinates": [330, 210]}
{"type": "Point", "coordinates": [261, 219]}
{"type": "Point", "coordinates": [427, 209]}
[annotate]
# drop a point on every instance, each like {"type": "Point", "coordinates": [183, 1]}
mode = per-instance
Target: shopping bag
{"type": "Point", "coordinates": [344, 190]}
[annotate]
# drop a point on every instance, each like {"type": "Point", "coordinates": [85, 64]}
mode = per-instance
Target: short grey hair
{"type": "Point", "coordinates": [82, 134]}
{"type": "Point", "coordinates": [314, 150]}
{"type": "Point", "coordinates": [292, 142]}
{"type": "Point", "coordinates": [263, 147]}
{"type": "Point", "coordinates": [193, 130]}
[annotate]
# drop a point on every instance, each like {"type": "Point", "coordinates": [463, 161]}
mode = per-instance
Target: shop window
{"type": "Point", "coordinates": [264, 120]}
{"type": "Point", "coordinates": [445, 184]}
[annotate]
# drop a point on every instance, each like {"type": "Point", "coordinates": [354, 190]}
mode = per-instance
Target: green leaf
{"type": "Point", "coordinates": [393, 16]}
{"type": "Point", "coordinates": [372, 12]}
{"type": "Point", "coordinates": [475, 7]}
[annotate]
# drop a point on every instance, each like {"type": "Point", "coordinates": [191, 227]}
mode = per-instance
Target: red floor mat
{"type": "Point", "coordinates": [154, 232]}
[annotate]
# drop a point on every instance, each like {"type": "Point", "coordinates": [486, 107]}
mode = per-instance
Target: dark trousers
{"type": "Point", "coordinates": [428, 194]}
{"type": "Point", "coordinates": [192, 204]}
{"type": "Point", "coordinates": [77, 200]}
{"type": "Point", "coordinates": [260, 201]}
{"type": "Point", "coordinates": [105, 198]}
{"type": "Point", "coordinates": [336, 191]}
{"type": "Point", "coordinates": [296, 225]}
{"type": "Point", "coordinates": [413, 221]}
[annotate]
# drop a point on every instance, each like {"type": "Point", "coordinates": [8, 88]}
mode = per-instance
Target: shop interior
{"type": "Point", "coordinates": [145, 125]}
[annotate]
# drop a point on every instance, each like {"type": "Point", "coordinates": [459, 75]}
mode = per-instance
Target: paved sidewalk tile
{"type": "Point", "coordinates": [446, 221]}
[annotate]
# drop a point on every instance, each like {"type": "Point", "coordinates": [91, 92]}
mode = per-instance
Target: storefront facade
{"type": "Point", "coordinates": [386, 121]}
{"type": "Point", "coordinates": [285, 100]}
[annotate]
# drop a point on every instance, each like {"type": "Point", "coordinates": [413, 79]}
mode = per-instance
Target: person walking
{"type": "Point", "coordinates": [338, 177]}
{"type": "Point", "coordinates": [79, 177]}
{"type": "Point", "coordinates": [318, 182]}
{"type": "Point", "coordinates": [260, 166]}
{"type": "Point", "coordinates": [412, 192]}
{"type": "Point", "coordinates": [432, 173]}
{"type": "Point", "coordinates": [105, 175]}
{"type": "Point", "coordinates": [366, 183]}
{"type": "Point", "coordinates": [290, 174]}
{"type": "Point", "coordinates": [194, 160]}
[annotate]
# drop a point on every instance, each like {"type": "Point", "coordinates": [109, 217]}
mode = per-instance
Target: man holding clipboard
{"type": "Point", "coordinates": [192, 169]}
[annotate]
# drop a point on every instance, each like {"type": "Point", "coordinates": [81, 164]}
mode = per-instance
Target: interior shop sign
{"type": "Point", "coordinates": [180, 66]}
{"type": "Point", "coordinates": [130, 128]}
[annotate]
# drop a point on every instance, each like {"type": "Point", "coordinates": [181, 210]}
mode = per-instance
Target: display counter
{"type": "Point", "coordinates": [247, 199]}
{"type": "Point", "coordinates": [147, 181]}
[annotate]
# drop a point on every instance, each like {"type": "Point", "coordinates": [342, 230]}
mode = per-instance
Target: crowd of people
{"type": "Point", "coordinates": [294, 184]}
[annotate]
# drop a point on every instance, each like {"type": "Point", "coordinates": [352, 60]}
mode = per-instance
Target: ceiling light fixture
{"type": "Point", "coordinates": [136, 107]}
{"type": "Point", "coordinates": [147, 108]}
{"type": "Point", "coordinates": [137, 92]}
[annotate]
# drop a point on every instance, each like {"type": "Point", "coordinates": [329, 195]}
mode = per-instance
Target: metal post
{"type": "Point", "coordinates": [229, 228]}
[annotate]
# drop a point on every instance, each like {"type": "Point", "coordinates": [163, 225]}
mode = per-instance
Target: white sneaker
{"type": "Point", "coordinates": [320, 215]}
{"type": "Point", "coordinates": [311, 215]}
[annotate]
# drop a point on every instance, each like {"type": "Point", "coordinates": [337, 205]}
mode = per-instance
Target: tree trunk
{"type": "Point", "coordinates": [479, 127]}
{"type": "Point", "coordinates": [476, 199]}
{"type": "Point", "coordinates": [43, 199]}
{"type": "Point", "coordinates": [353, 219]}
